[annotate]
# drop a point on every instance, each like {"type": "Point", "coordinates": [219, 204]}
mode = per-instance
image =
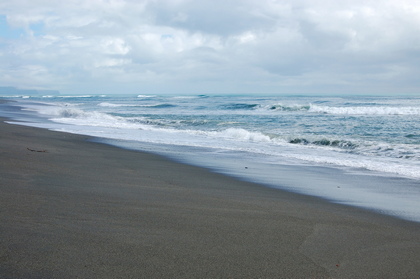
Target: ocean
{"type": "Point", "coordinates": [360, 151]}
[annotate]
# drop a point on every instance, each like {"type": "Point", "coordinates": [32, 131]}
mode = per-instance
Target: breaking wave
{"type": "Point", "coordinates": [325, 142]}
{"type": "Point", "coordinates": [238, 106]}
{"type": "Point", "coordinates": [240, 134]}
{"type": "Point", "coordinates": [314, 108]}
{"type": "Point", "coordinates": [274, 107]}
{"type": "Point", "coordinates": [112, 105]}
{"type": "Point", "coordinates": [379, 110]}
{"type": "Point", "coordinates": [279, 107]}
{"type": "Point", "coordinates": [145, 96]}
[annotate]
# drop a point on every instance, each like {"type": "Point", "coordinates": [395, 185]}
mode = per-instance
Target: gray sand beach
{"type": "Point", "coordinates": [73, 208]}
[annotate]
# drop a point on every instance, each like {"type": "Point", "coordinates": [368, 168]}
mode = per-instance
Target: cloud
{"type": "Point", "coordinates": [234, 46]}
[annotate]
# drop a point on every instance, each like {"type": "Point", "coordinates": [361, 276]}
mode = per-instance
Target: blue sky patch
{"type": "Point", "coordinates": [37, 28]}
{"type": "Point", "coordinates": [7, 32]}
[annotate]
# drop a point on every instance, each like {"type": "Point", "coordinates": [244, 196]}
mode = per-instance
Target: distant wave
{"type": "Point", "coordinates": [145, 96]}
{"type": "Point", "coordinates": [162, 106]}
{"type": "Point", "coordinates": [190, 97]}
{"type": "Point", "coordinates": [70, 96]}
{"type": "Point", "coordinates": [280, 107]}
{"type": "Point", "coordinates": [238, 106]}
{"type": "Point", "coordinates": [380, 110]}
{"type": "Point", "coordinates": [353, 110]}
{"type": "Point", "coordinates": [112, 105]}
{"type": "Point", "coordinates": [16, 96]}
{"type": "Point", "coordinates": [274, 107]}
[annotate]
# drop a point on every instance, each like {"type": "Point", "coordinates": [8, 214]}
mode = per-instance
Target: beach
{"type": "Point", "coordinates": [74, 208]}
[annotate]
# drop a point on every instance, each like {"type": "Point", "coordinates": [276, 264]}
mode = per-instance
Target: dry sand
{"type": "Point", "coordinates": [79, 209]}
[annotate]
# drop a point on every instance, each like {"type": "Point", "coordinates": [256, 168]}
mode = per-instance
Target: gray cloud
{"type": "Point", "coordinates": [186, 46]}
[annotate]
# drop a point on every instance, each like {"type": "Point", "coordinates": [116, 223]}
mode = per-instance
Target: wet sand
{"type": "Point", "coordinates": [72, 208]}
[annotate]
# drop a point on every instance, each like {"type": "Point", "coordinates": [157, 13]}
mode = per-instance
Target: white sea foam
{"type": "Point", "coordinates": [366, 110]}
{"type": "Point", "coordinates": [78, 96]}
{"type": "Point", "coordinates": [78, 117]}
{"type": "Point", "coordinates": [146, 96]}
{"type": "Point", "coordinates": [241, 135]}
{"type": "Point", "coordinates": [386, 166]}
{"type": "Point", "coordinates": [17, 96]}
{"type": "Point", "coordinates": [113, 105]}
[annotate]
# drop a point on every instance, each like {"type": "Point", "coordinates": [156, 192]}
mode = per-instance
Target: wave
{"type": "Point", "coordinates": [80, 114]}
{"type": "Point", "coordinates": [75, 116]}
{"type": "Point", "coordinates": [167, 128]}
{"type": "Point", "coordinates": [16, 96]}
{"type": "Point", "coordinates": [275, 107]}
{"type": "Point", "coordinates": [160, 106]}
{"type": "Point", "coordinates": [413, 136]}
{"type": "Point", "coordinates": [112, 105]}
{"type": "Point", "coordinates": [325, 142]}
{"type": "Point", "coordinates": [78, 117]}
{"type": "Point", "coordinates": [75, 96]}
{"type": "Point", "coordinates": [145, 96]}
{"type": "Point", "coordinates": [238, 106]}
{"type": "Point", "coordinates": [241, 134]}
{"type": "Point", "coordinates": [190, 97]}
{"type": "Point", "coordinates": [380, 110]}
{"type": "Point", "coordinates": [279, 107]}
{"type": "Point", "coordinates": [351, 110]}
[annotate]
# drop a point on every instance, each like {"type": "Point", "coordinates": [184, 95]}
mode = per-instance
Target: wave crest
{"type": "Point", "coordinates": [280, 107]}
{"type": "Point", "coordinates": [243, 134]}
{"type": "Point", "coordinates": [239, 106]}
{"type": "Point", "coordinates": [380, 110]}
{"type": "Point", "coordinates": [112, 105]}
{"type": "Point", "coordinates": [325, 142]}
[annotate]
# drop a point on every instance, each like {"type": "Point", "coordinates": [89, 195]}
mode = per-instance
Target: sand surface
{"type": "Point", "coordinates": [71, 208]}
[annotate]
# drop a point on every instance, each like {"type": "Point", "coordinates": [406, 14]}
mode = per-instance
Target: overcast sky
{"type": "Point", "coordinates": [204, 47]}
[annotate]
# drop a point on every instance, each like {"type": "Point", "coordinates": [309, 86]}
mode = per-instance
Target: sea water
{"type": "Point", "coordinates": [362, 151]}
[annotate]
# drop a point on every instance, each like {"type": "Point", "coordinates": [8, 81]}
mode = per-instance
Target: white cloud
{"type": "Point", "coordinates": [234, 46]}
{"type": "Point", "coordinates": [115, 46]}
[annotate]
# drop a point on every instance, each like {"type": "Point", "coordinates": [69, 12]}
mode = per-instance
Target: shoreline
{"type": "Point", "coordinates": [83, 209]}
{"type": "Point", "coordinates": [387, 193]}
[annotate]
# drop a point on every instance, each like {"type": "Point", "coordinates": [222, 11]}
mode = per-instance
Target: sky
{"type": "Point", "coordinates": [212, 47]}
